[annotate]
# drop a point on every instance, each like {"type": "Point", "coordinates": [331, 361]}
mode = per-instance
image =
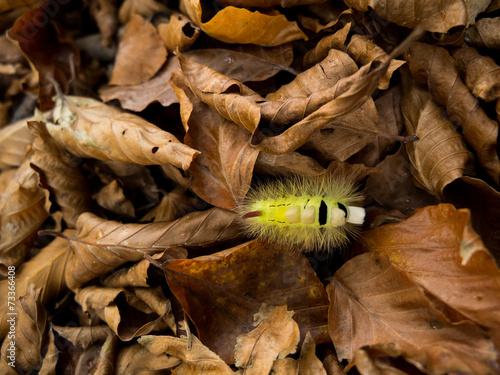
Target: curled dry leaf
{"type": "Point", "coordinates": [129, 313]}
{"type": "Point", "coordinates": [136, 359]}
{"type": "Point", "coordinates": [83, 337]}
{"type": "Point", "coordinates": [440, 155]}
{"type": "Point", "coordinates": [178, 33]}
{"type": "Point", "coordinates": [140, 46]}
{"type": "Point", "coordinates": [428, 14]}
{"type": "Point", "coordinates": [23, 208]}
{"type": "Point", "coordinates": [196, 358]}
{"type": "Point", "coordinates": [309, 364]}
{"type": "Point", "coordinates": [484, 34]}
{"type": "Point", "coordinates": [363, 50]}
{"type": "Point", "coordinates": [321, 50]}
{"type": "Point", "coordinates": [89, 128]}
{"type": "Point", "coordinates": [222, 292]}
{"type": "Point", "coordinates": [59, 173]}
{"type": "Point", "coordinates": [102, 245]}
{"type": "Point", "coordinates": [30, 324]}
{"type": "Point", "coordinates": [138, 97]}
{"type": "Point", "coordinates": [439, 71]}
{"type": "Point", "coordinates": [45, 270]}
{"type": "Point", "coordinates": [275, 335]}
{"type": "Point", "coordinates": [373, 302]}
{"type": "Point", "coordinates": [457, 269]}
{"type": "Point", "coordinates": [263, 29]}
{"type": "Point", "coordinates": [112, 198]}
{"type": "Point", "coordinates": [51, 357]}
{"type": "Point", "coordinates": [482, 74]}
{"type": "Point", "coordinates": [15, 140]}
{"type": "Point", "coordinates": [144, 8]}
{"type": "Point", "coordinates": [105, 15]}
{"type": "Point", "coordinates": [53, 54]}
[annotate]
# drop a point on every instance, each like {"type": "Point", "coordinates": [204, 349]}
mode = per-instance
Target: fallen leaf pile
{"type": "Point", "coordinates": [131, 131]}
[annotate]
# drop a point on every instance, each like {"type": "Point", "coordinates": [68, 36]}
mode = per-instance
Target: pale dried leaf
{"type": "Point", "coordinates": [15, 140]}
{"type": "Point", "coordinates": [309, 364]}
{"type": "Point", "coordinates": [137, 360]}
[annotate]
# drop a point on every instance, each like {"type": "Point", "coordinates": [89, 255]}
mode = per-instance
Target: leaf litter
{"type": "Point", "coordinates": [123, 163]}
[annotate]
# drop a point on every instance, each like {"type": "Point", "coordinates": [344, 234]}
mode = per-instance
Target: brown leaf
{"type": "Point", "coordinates": [144, 8]}
{"type": "Point", "coordinates": [53, 54]}
{"type": "Point", "coordinates": [275, 335]}
{"type": "Point", "coordinates": [129, 313]}
{"type": "Point", "coordinates": [276, 165]}
{"type": "Point", "coordinates": [373, 302]}
{"type": "Point", "coordinates": [439, 71]}
{"type": "Point", "coordinates": [484, 34]}
{"type": "Point", "coordinates": [102, 245]}
{"type": "Point", "coordinates": [178, 33]}
{"type": "Point", "coordinates": [51, 357]}
{"type": "Point", "coordinates": [23, 208]}
{"type": "Point", "coordinates": [309, 364]}
{"type": "Point", "coordinates": [112, 198]}
{"type": "Point", "coordinates": [59, 173]}
{"type": "Point", "coordinates": [138, 97]}
{"type": "Point", "coordinates": [482, 74]}
{"type": "Point", "coordinates": [377, 359]}
{"type": "Point", "coordinates": [456, 268]}
{"type": "Point", "coordinates": [363, 50]}
{"type": "Point", "coordinates": [440, 155]}
{"type": "Point", "coordinates": [140, 46]}
{"type": "Point", "coordinates": [45, 270]}
{"type": "Point", "coordinates": [222, 292]}
{"type": "Point", "coordinates": [105, 15]}
{"type": "Point", "coordinates": [137, 360]}
{"type": "Point", "coordinates": [83, 337]}
{"type": "Point", "coordinates": [430, 15]}
{"type": "Point", "coordinates": [8, 5]}
{"type": "Point", "coordinates": [30, 324]}
{"type": "Point", "coordinates": [196, 357]}
{"type": "Point", "coordinates": [321, 50]}
{"type": "Point", "coordinates": [394, 188]}
{"type": "Point", "coordinates": [15, 140]}
{"type": "Point", "coordinates": [263, 29]}
{"type": "Point", "coordinates": [89, 128]}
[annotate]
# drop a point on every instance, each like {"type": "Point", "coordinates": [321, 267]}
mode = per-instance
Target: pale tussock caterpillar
{"type": "Point", "coordinates": [310, 213]}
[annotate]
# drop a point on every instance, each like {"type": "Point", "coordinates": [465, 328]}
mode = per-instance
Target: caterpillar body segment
{"type": "Point", "coordinates": [311, 213]}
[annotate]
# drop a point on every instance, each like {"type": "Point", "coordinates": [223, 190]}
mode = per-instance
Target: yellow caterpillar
{"type": "Point", "coordinates": [310, 213]}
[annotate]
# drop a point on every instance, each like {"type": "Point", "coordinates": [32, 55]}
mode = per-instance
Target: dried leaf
{"type": "Point", "coordinates": [321, 50]}
{"type": "Point", "coordinates": [59, 174]}
{"type": "Point", "coordinates": [53, 54]}
{"type": "Point", "coordinates": [112, 198]}
{"type": "Point", "coordinates": [83, 337]}
{"type": "Point", "coordinates": [276, 165]}
{"type": "Point", "coordinates": [196, 357]}
{"type": "Point", "coordinates": [128, 313]}
{"type": "Point", "coordinates": [430, 15]}
{"type": "Point", "coordinates": [178, 33]}
{"type": "Point", "coordinates": [440, 155]}
{"type": "Point", "coordinates": [23, 208]}
{"type": "Point", "coordinates": [89, 128]}
{"type": "Point", "coordinates": [222, 292]}
{"type": "Point", "coordinates": [144, 8]}
{"type": "Point", "coordinates": [263, 29]}
{"type": "Point", "coordinates": [309, 364]}
{"type": "Point", "coordinates": [439, 71]}
{"type": "Point", "coordinates": [276, 335]}
{"type": "Point", "coordinates": [45, 270]}
{"type": "Point", "coordinates": [102, 245]}
{"type": "Point", "coordinates": [15, 140]}
{"type": "Point", "coordinates": [105, 15]}
{"type": "Point", "coordinates": [51, 357]}
{"type": "Point", "coordinates": [484, 34]}
{"type": "Point", "coordinates": [482, 74]}
{"type": "Point", "coordinates": [373, 302]}
{"type": "Point", "coordinates": [140, 46]}
{"type": "Point", "coordinates": [457, 268]}
{"type": "Point", "coordinates": [9, 5]}
{"type": "Point", "coordinates": [137, 360]}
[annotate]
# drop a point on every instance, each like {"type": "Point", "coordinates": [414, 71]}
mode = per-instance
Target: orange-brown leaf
{"type": "Point", "coordinates": [15, 140]}
{"type": "Point", "coordinates": [178, 33]}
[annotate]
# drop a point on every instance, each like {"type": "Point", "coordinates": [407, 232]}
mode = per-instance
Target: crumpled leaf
{"type": "Point", "coordinates": [144, 8]}
{"type": "Point", "coordinates": [83, 337]}
{"type": "Point", "coordinates": [373, 302]}
{"type": "Point", "coordinates": [196, 357]}
{"type": "Point", "coordinates": [112, 198]}
{"type": "Point", "coordinates": [329, 42]}
{"type": "Point", "coordinates": [23, 208]}
{"type": "Point", "coordinates": [275, 335]}
{"type": "Point", "coordinates": [140, 46]}
{"type": "Point", "coordinates": [49, 363]}
{"type": "Point", "coordinates": [439, 71]}
{"type": "Point", "coordinates": [222, 292]}
{"type": "Point", "coordinates": [484, 33]}
{"type": "Point", "coordinates": [138, 97]}
{"type": "Point", "coordinates": [456, 268]}
{"type": "Point", "coordinates": [482, 74]}
{"type": "Point", "coordinates": [263, 29]}
{"type": "Point", "coordinates": [45, 270]}
{"type": "Point", "coordinates": [178, 33]}
{"type": "Point", "coordinates": [430, 15]}
{"type": "Point", "coordinates": [103, 245]}
{"type": "Point", "coordinates": [363, 50]}
{"type": "Point", "coordinates": [89, 128]}
{"type": "Point", "coordinates": [53, 54]}
{"type": "Point", "coordinates": [223, 172]}
{"type": "Point", "coordinates": [137, 360]}
{"type": "Point", "coordinates": [309, 364]}
{"type": "Point", "coordinates": [128, 312]}
{"type": "Point", "coordinates": [29, 335]}
{"type": "Point", "coordinates": [59, 173]}
{"type": "Point", "coordinates": [15, 140]}
{"type": "Point", "coordinates": [440, 155]}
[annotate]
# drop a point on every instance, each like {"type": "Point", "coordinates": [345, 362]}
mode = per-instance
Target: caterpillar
{"type": "Point", "coordinates": [318, 213]}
